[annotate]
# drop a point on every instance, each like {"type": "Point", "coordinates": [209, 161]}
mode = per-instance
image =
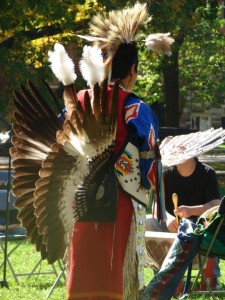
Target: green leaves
{"type": "Point", "coordinates": [202, 64]}
{"type": "Point", "coordinates": [30, 28]}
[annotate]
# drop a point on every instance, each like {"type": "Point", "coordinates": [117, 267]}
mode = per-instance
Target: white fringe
{"type": "Point", "coordinates": [130, 278]}
{"type": "Point", "coordinates": [112, 255]}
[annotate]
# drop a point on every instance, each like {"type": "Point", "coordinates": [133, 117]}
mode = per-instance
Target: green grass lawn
{"type": "Point", "coordinates": [37, 287]}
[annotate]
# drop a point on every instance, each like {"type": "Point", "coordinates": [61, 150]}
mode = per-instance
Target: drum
{"type": "Point", "coordinates": [157, 246]}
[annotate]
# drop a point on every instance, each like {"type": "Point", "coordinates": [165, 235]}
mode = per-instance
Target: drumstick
{"type": "Point", "coordinates": [175, 203]}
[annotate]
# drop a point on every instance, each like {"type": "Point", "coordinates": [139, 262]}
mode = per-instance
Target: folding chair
{"type": "Point", "coordinates": [60, 275]}
{"type": "Point", "coordinates": [8, 218]}
{"type": "Point", "coordinates": [16, 236]}
{"type": "Point", "coordinates": [211, 228]}
{"type": "Point", "coordinates": [36, 270]}
{"type": "Point", "coordinates": [18, 239]}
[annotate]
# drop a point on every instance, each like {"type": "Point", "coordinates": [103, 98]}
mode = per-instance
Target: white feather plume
{"type": "Point", "coordinates": [159, 43]}
{"type": "Point", "coordinates": [62, 65]}
{"type": "Point", "coordinates": [92, 65]}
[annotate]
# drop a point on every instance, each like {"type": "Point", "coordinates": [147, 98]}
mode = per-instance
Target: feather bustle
{"type": "Point", "coordinates": [70, 98]}
{"type": "Point", "coordinates": [26, 171]}
{"type": "Point", "coordinates": [96, 100]}
{"type": "Point", "coordinates": [30, 136]}
{"type": "Point", "coordinates": [37, 107]}
{"type": "Point", "coordinates": [22, 163]}
{"type": "Point", "coordinates": [61, 137]}
{"type": "Point", "coordinates": [31, 231]}
{"type": "Point", "coordinates": [20, 154]}
{"type": "Point", "coordinates": [20, 120]}
{"type": "Point", "coordinates": [35, 137]}
{"type": "Point", "coordinates": [23, 109]}
{"type": "Point", "coordinates": [24, 200]}
{"type": "Point", "coordinates": [114, 107]}
{"type": "Point", "coordinates": [27, 211]}
{"type": "Point", "coordinates": [89, 122]}
{"type": "Point", "coordinates": [56, 101]}
{"type": "Point", "coordinates": [48, 198]}
{"type": "Point", "coordinates": [26, 145]}
{"type": "Point", "coordinates": [55, 121]}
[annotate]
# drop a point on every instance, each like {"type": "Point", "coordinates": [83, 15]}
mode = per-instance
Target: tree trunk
{"type": "Point", "coordinates": [171, 91]}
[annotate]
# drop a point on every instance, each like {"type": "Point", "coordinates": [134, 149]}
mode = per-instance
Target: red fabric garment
{"type": "Point", "coordinates": [98, 249]}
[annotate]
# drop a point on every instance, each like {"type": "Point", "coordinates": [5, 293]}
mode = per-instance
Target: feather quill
{"type": "Point", "coordinates": [62, 65]}
{"type": "Point", "coordinates": [92, 65]}
{"type": "Point", "coordinates": [92, 38]}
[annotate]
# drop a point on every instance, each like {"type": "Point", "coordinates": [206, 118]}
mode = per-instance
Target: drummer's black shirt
{"type": "Point", "coordinates": [197, 189]}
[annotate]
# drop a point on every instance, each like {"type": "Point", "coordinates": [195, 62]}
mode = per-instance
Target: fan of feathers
{"type": "Point", "coordinates": [51, 153]}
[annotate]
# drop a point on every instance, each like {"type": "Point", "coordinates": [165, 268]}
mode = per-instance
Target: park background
{"type": "Point", "coordinates": [186, 89]}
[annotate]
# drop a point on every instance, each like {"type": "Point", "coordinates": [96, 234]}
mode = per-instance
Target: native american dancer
{"type": "Point", "coordinates": [84, 179]}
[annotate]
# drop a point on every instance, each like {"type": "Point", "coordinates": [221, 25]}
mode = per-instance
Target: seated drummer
{"type": "Point", "coordinates": [196, 186]}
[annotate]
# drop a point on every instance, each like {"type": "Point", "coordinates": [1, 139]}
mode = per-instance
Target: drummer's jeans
{"type": "Point", "coordinates": [152, 224]}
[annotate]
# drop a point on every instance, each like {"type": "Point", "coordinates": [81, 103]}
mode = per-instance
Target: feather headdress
{"type": "Point", "coordinates": [109, 31]}
{"type": "Point", "coordinates": [177, 149]}
{"type": "Point", "coordinates": [120, 26]}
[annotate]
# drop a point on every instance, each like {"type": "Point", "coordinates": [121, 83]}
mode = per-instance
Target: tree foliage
{"type": "Point", "coordinates": [195, 26]}
{"type": "Point", "coordinates": [26, 38]}
{"type": "Point", "coordinates": [202, 64]}
{"type": "Point", "coordinates": [29, 28]}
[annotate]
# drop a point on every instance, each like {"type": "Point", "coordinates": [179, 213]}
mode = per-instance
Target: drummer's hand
{"type": "Point", "coordinates": [172, 225]}
{"type": "Point", "coordinates": [183, 211]}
